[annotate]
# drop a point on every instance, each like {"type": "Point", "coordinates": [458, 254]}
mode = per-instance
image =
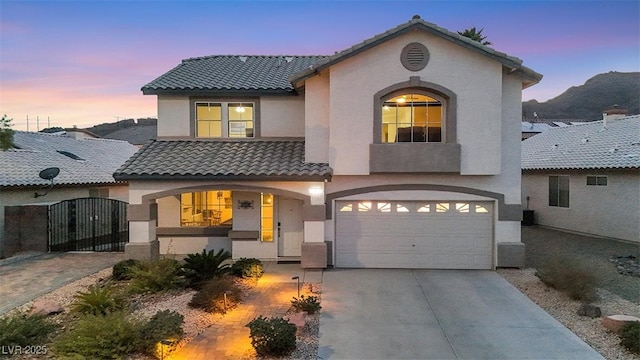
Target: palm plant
{"type": "Point", "coordinates": [475, 35]}
{"type": "Point", "coordinates": [201, 267]}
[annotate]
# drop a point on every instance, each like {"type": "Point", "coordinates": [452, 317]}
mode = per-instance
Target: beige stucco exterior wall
{"type": "Point", "coordinates": [282, 116]}
{"type": "Point", "coordinates": [173, 116]}
{"type": "Point", "coordinates": [475, 79]}
{"type": "Point", "coordinates": [317, 118]}
{"type": "Point", "coordinates": [609, 211]}
{"type": "Point", "coordinates": [26, 197]}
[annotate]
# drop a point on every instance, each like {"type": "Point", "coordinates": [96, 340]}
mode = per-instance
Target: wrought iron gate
{"type": "Point", "coordinates": [88, 224]}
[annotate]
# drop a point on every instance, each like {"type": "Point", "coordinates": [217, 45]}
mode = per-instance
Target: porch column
{"type": "Point", "coordinates": [314, 248]}
{"type": "Point", "coordinates": [143, 242]}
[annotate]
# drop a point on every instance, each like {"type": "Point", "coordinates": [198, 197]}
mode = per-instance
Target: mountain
{"type": "Point", "coordinates": [588, 101]}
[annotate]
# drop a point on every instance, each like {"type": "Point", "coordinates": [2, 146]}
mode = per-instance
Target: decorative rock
{"type": "Point", "coordinates": [299, 320]}
{"type": "Point", "coordinates": [42, 307]}
{"type": "Point", "coordinates": [590, 310]}
{"type": "Point", "coordinates": [615, 323]}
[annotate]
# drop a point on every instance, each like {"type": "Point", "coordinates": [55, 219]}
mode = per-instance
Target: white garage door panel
{"type": "Point", "coordinates": [455, 238]}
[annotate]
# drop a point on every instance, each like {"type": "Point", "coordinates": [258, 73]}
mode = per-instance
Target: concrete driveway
{"type": "Point", "coordinates": [436, 314]}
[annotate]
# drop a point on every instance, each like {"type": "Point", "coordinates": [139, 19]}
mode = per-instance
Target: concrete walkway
{"type": "Point", "coordinates": [28, 276]}
{"type": "Point", "coordinates": [436, 314]}
{"type": "Point", "coordinates": [229, 338]}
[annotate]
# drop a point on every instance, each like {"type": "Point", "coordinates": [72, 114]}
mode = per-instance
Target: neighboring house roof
{"type": "Point", "coordinates": [136, 135]}
{"type": "Point", "coordinates": [534, 127]}
{"type": "Point", "coordinates": [214, 160]}
{"type": "Point", "coordinates": [593, 145]}
{"type": "Point", "coordinates": [229, 74]}
{"type": "Point", "coordinates": [98, 158]}
{"type": "Point", "coordinates": [511, 62]}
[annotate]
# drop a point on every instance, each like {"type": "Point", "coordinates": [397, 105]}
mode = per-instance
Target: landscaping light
{"type": "Point", "coordinates": [297, 278]}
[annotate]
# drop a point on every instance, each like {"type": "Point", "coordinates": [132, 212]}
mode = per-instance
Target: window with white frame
{"type": "Point", "coordinates": [599, 180]}
{"type": "Point", "coordinates": [224, 119]}
{"type": "Point", "coordinates": [559, 191]}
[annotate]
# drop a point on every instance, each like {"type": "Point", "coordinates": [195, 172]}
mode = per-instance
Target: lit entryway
{"type": "Point", "coordinates": [414, 234]}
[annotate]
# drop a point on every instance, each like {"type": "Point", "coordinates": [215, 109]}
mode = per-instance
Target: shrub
{"type": "Point", "coordinates": [155, 276]}
{"type": "Point", "coordinates": [122, 269]}
{"type": "Point", "coordinates": [247, 268]}
{"type": "Point", "coordinates": [569, 278]}
{"type": "Point", "coordinates": [98, 300]}
{"type": "Point", "coordinates": [210, 297]}
{"type": "Point", "coordinates": [201, 267]}
{"type": "Point", "coordinates": [99, 337]}
{"type": "Point", "coordinates": [272, 336]}
{"type": "Point", "coordinates": [24, 330]}
{"type": "Point", "coordinates": [630, 336]}
{"type": "Point", "coordinates": [164, 325]}
{"type": "Point", "coordinates": [310, 304]}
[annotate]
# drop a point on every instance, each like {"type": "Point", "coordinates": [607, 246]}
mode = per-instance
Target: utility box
{"type": "Point", "coordinates": [528, 218]}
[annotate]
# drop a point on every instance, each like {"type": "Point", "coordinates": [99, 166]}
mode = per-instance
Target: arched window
{"type": "Point", "coordinates": [412, 117]}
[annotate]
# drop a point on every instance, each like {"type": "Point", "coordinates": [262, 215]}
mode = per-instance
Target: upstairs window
{"type": "Point", "coordinates": [225, 120]}
{"type": "Point", "coordinates": [596, 181]}
{"type": "Point", "coordinates": [412, 117]}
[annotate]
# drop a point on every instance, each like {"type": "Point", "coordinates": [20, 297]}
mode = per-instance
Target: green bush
{"type": "Point", "coordinates": [630, 336]}
{"type": "Point", "coordinates": [210, 297]}
{"type": "Point", "coordinates": [247, 268]}
{"type": "Point", "coordinates": [155, 276]}
{"type": "Point", "coordinates": [568, 277]}
{"type": "Point", "coordinates": [272, 336]}
{"type": "Point", "coordinates": [310, 304]}
{"type": "Point", "coordinates": [100, 337]}
{"type": "Point", "coordinates": [122, 269]}
{"type": "Point", "coordinates": [24, 330]}
{"type": "Point", "coordinates": [164, 325]}
{"type": "Point", "coordinates": [201, 267]}
{"type": "Point", "coordinates": [98, 300]}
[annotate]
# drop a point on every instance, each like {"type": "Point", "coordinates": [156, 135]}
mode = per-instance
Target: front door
{"type": "Point", "coordinates": [290, 234]}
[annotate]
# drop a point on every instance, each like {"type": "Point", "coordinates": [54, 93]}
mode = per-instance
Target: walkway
{"type": "Point", "coordinates": [28, 276]}
{"type": "Point", "coordinates": [272, 296]}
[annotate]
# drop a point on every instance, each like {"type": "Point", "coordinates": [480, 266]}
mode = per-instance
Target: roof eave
{"type": "Point", "coordinates": [416, 24]}
{"type": "Point", "coordinates": [220, 92]}
{"type": "Point", "coordinates": [173, 177]}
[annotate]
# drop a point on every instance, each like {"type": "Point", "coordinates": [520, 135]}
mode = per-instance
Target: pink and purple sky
{"type": "Point", "coordinates": [83, 62]}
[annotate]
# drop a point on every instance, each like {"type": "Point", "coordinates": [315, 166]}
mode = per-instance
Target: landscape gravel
{"type": "Point", "coordinates": [565, 310]}
{"type": "Point", "coordinates": [557, 304]}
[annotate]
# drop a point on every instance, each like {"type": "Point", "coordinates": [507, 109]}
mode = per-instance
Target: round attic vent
{"type": "Point", "coordinates": [414, 56]}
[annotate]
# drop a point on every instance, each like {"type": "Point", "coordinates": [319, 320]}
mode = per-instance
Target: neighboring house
{"type": "Point", "coordinates": [86, 169]}
{"type": "Point", "coordinates": [400, 151]}
{"type": "Point", "coordinates": [535, 127]}
{"type": "Point", "coordinates": [586, 178]}
{"type": "Point", "coordinates": [140, 134]}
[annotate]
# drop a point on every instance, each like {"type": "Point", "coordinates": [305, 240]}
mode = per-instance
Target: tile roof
{"type": "Point", "coordinates": [228, 73]}
{"type": "Point", "coordinates": [203, 159]}
{"type": "Point", "coordinates": [511, 62]}
{"type": "Point", "coordinates": [38, 151]}
{"type": "Point", "coordinates": [136, 135]}
{"type": "Point", "coordinates": [592, 145]}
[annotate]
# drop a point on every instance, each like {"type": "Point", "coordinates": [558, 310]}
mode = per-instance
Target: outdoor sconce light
{"type": "Point", "coordinates": [297, 278]}
{"type": "Point", "coordinates": [48, 174]}
{"type": "Point", "coordinates": [315, 190]}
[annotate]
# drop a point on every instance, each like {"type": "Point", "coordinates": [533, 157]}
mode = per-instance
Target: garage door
{"type": "Point", "coordinates": [414, 234]}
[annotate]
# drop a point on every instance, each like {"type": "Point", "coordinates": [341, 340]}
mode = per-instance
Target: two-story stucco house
{"type": "Point", "coordinates": [400, 151]}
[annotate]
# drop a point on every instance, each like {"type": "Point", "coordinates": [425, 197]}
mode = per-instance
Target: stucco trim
{"type": "Point", "coordinates": [244, 235]}
{"type": "Point", "coordinates": [220, 231]}
{"type": "Point", "coordinates": [313, 212]}
{"type": "Point", "coordinates": [142, 212]}
{"type": "Point", "coordinates": [148, 198]}
{"type": "Point", "coordinates": [414, 158]}
{"type": "Point", "coordinates": [414, 84]}
{"type": "Point", "coordinates": [506, 212]}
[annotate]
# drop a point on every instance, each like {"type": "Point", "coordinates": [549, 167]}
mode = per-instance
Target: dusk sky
{"type": "Point", "coordinates": [83, 63]}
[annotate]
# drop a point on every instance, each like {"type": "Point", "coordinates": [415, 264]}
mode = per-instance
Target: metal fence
{"type": "Point", "coordinates": [88, 224]}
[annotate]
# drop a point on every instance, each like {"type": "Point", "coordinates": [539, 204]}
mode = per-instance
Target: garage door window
{"type": "Point", "coordinates": [405, 207]}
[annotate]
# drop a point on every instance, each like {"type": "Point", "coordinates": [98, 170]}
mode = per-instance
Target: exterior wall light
{"type": "Point", "coordinates": [316, 190]}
